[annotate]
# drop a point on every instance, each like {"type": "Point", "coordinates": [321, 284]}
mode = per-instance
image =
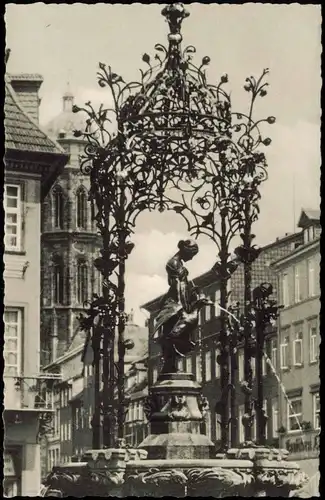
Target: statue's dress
{"type": "Point", "coordinates": [179, 295]}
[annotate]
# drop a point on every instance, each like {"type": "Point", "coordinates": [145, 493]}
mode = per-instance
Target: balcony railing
{"type": "Point", "coordinates": [27, 393]}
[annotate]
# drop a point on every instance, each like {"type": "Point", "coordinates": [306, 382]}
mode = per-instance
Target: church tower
{"type": "Point", "coordinates": [70, 244]}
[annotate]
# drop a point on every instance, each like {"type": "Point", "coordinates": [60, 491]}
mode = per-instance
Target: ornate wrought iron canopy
{"type": "Point", "coordinates": [173, 126]}
{"type": "Point", "coordinates": [175, 132]}
{"type": "Point", "coordinates": [175, 112]}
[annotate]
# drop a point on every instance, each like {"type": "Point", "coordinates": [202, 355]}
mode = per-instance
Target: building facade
{"type": "Point", "coordinates": [136, 389]}
{"type": "Point", "coordinates": [299, 339]}
{"type": "Point", "coordinates": [57, 443]}
{"type": "Point", "coordinates": [74, 397]}
{"type": "Point", "coordinates": [32, 163]}
{"type": "Point", "coordinates": [203, 361]}
{"type": "Point", "coordinates": [70, 243]}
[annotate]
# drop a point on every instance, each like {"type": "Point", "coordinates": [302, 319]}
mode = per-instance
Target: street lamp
{"type": "Point", "coordinates": [174, 132]}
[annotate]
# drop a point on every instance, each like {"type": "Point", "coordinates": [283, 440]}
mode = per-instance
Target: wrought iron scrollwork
{"type": "Point", "coordinates": [265, 310]}
{"type": "Point", "coordinates": [178, 146]}
{"type": "Point", "coordinates": [45, 424]}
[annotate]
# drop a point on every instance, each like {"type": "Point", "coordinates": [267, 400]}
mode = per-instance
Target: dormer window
{"type": "Point", "coordinates": [309, 222]}
{"type": "Point", "coordinates": [309, 234]}
{"type": "Point", "coordinates": [306, 236]}
{"type": "Point", "coordinates": [295, 245]}
{"type": "Point", "coordinates": [317, 230]}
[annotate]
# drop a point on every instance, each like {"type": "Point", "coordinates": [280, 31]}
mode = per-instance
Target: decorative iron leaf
{"type": "Point", "coordinates": [146, 58]}
{"type": "Point", "coordinates": [208, 219]}
{"type": "Point", "coordinates": [206, 60]}
{"type": "Point", "coordinates": [178, 209]}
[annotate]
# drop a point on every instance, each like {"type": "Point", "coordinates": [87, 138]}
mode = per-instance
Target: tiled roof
{"type": "Point", "coordinates": [21, 132]}
{"type": "Point", "coordinates": [35, 77]}
{"type": "Point", "coordinates": [78, 339]}
{"type": "Point", "coordinates": [137, 387]}
{"type": "Point", "coordinates": [308, 216]}
{"type": "Point", "coordinates": [138, 334]}
{"type": "Point", "coordinates": [311, 213]}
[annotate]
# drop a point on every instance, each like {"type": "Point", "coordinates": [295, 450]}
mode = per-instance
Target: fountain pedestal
{"type": "Point", "coordinates": [175, 409]}
{"type": "Point", "coordinates": [182, 461]}
{"type": "Point", "coordinates": [181, 458]}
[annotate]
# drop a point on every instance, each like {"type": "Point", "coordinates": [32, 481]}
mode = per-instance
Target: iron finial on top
{"type": "Point", "coordinates": [175, 13]}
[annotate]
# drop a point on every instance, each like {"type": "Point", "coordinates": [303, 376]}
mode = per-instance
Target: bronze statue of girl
{"type": "Point", "coordinates": [178, 316]}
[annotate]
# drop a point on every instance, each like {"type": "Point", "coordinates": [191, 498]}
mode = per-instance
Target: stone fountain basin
{"type": "Point", "coordinates": [187, 477]}
{"type": "Point", "coordinates": [121, 473]}
{"type": "Point", "coordinates": [188, 464]}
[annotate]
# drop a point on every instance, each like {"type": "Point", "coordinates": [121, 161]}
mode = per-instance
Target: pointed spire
{"type": "Point", "coordinates": [68, 99]}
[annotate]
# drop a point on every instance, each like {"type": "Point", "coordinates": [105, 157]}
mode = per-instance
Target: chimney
{"type": "Point", "coordinates": [27, 87]}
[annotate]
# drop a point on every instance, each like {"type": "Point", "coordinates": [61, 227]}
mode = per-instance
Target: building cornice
{"type": "Point", "coordinates": [48, 165]}
{"type": "Point", "coordinates": [27, 78]}
{"type": "Point", "coordinates": [286, 239]}
{"type": "Point", "coordinates": [298, 252]}
{"type": "Point", "coordinates": [71, 140]}
{"type": "Point", "coordinates": [30, 163]}
{"type": "Point", "coordinates": [72, 235]}
{"type": "Point", "coordinates": [63, 307]}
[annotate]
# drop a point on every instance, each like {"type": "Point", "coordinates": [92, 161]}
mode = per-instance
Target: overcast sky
{"type": "Point", "coordinates": [65, 43]}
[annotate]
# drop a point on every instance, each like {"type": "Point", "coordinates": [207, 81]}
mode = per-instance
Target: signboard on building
{"type": "Point", "coordinates": [303, 446]}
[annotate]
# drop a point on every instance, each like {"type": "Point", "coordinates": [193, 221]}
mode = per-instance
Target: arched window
{"type": "Point", "coordinates": [81, 209]}
{"type": "Point", "coordinates": [46, 214]}
{"type": "Point", "coordinates": [82, 282]}
{"type": "Point", "coordinates": [58, 281]}
{"type": "Point", "coordinates": [99, 283]}
{"type": "Point", "coordinates": [58, 208]}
